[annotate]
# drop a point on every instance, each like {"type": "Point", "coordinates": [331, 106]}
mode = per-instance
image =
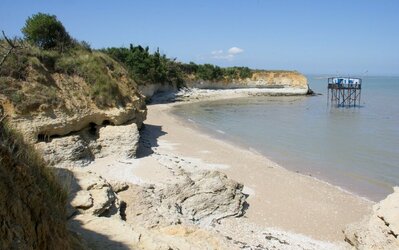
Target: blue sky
{"type": "Point", "coordinates": [341, 36]}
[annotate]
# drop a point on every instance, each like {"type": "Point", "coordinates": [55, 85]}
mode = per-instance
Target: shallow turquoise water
{"type": "Point", "coordinates": [355, 148]}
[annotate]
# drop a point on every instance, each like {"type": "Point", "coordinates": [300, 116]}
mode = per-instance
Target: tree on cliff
{"type": "Point", "coordinates": [146, 67]}
{"type": "Point", "coordinates": [46, 31]}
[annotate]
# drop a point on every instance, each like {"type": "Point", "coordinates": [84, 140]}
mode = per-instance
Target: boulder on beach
{"type": "Point", "coordinates": [88, 193]}
{"type": "Point", "coordinates": [202, 198]}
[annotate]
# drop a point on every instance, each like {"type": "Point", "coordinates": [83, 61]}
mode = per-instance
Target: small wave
{"type": "Point", "coordinates": [220, 131]}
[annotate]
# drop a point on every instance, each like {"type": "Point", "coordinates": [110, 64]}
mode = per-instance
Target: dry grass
{"type": "Point", "coordinates": [32, 207]}
{"type": "Point", "coordinates": [31, 77]}
{"type": "Point", "coordinates": [23, 154]}
{"type": "Point", "coordinates": [98, 70]}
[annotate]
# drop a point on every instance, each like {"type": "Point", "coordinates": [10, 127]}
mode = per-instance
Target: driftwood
{"type": "Point", "coordinates": [11, 46]}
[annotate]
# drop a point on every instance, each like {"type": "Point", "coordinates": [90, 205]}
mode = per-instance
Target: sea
{"type": "Point", "coordinates": [355, 148]}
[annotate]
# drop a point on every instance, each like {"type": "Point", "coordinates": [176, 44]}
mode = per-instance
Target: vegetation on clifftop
{"type": "Point", "coordinates": [49, 69]}
{"type": "Point", "coordinates": [46, 32]}
{"type": "Point", "coordinates": [31, 76]}
{"type": "Point", "coordinates": [146, 67]}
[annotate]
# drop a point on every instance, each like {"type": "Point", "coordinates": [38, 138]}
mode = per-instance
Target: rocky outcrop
{"type": "Point", "coordinates": [164, 218]}
{"type": "Point", "coordinates": [381, 229]}
{"type": "Point", "coordinates": [277, 82]}
{"type": "Point", "coordinates": [156, 217]}
{"type": "Point", "coordinates": [121, 141]}
{"type": "Point", "coordinates": [202, 199]}
{"type": "Point", "coordinates": [150, 89]}
{"type": "Point", "coordinates": [205, 197]}
{"type": "Point", "coordinates": [81, 148]}
{"type": "Point", "coordinates": [88, 193]}
{"type": "Point", "coordinates": [290, 81]}
{"type": "Point", "coordinates": [41, 127]}
{"type": "Point", "coordinates": [66, 151]}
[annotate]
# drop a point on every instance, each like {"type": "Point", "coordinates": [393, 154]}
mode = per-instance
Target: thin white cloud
{"type": "Point", "coordinates": [223, 56]}
{"type": "Point", "coordinates": [235, 51]}
{"type": "Point", "coordinates": [217, 52]}
{"type": "Point", "coordinates": [229, 55]}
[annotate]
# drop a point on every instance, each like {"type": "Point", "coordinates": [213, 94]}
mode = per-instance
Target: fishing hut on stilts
{"type": "Point", "coordinates": [344, 91]}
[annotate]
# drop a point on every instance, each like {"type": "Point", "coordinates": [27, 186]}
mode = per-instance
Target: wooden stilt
{"type": "Point", "coordinates": [345, 91]}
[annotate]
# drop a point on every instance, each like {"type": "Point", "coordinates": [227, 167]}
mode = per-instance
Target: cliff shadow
{"type": "Point", "coordinates": [149, 135]}
{"type": "Point", "coordinates": [92, 239]}
{"type": "Point", "coordinates": [245, 206]}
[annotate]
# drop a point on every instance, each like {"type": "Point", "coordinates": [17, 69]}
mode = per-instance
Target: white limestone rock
{"type": "Point", "coordinates": [89, 193]}
{"type": "Point", "coordinates": [82, 199]}
{"type": "Point", "coordinates": [66, 151]}
{"type": "Point", "coordinates": [381, 229]}
{"type": "Point", "coordinates": [119, 186]}
{"type": "Point", "coordinates": [118, 140]}
{"type": "Point", "coordinates": [200, 199]}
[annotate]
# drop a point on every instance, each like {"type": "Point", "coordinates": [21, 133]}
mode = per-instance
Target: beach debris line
{"type": "Point", "coordinates": [344, 91]}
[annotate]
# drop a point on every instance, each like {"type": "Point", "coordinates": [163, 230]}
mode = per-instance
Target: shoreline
{"type": "Point", "coordinates": [190, 95]}
{"type": "Point", "coordinates": [337, 207]}
{"type": "Point", "coordinates": [298, 207]}
{"type": "Point", "coordinates": [217, 134]}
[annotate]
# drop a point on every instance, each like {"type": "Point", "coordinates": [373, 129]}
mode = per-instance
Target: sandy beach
{"type": "Point", "coordinates": [277, 198]}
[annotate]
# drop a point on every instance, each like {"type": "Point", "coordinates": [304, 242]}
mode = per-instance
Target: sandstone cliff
{"type": "Point", "coordinates": [54, 94]}
{"type": "Point", "coordinates": [259, 79]}
{"type": "Point", "coordinates": [279, 82]}
{"type": "Point", "coordinates": [71, 106]}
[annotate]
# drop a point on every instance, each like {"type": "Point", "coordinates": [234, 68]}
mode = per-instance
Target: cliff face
{"type": "Point", "coordinates": [71, 108]}
{"type": "Point", "coordinates": [148, 90]}
{"type": "Point", "coordinates": [280, 82]}
{"type": "Point", "coordinates": [260, 79]}
{"type": "Point", "coordinates": [57, 94]}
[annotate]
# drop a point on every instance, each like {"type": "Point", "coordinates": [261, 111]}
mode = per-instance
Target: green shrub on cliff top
{"type": "Point", "coordinates": [47, 50]}
{"type": "Point", "coordinates": [46, 32]}
{"type": "Point", "coordinates": [146, 67]}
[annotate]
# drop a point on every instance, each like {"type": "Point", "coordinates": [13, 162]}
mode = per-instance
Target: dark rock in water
{"type": "Point", "coordinates": [312, 93]}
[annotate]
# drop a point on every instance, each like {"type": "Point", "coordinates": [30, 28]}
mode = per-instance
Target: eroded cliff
{"type": "Point", "coordinates": [277, 82]}
{"type": "Point", "coordinates": [259, 79]}
{"type": "Point", "coordinates": [50, 94]}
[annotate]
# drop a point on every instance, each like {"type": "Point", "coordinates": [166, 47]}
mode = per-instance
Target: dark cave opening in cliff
{"type": "Point", "coordinates": [92, 128]}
